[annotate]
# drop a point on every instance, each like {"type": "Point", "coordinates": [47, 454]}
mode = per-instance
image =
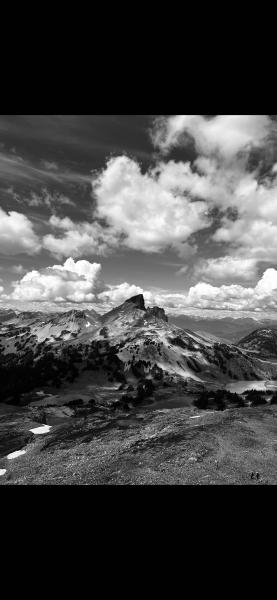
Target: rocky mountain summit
{"type": "Point", "coordinates": [137, 301]}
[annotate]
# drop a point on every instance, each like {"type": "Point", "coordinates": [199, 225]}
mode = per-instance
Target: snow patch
{"type": "Point", "coordinates": [196, 417]}
{"type": "Point", "coordinates": [15, 454]}
{"type": "Point", "coordinates": [3, 471]}
{"type": "Point", "coordinates": [40, 430]}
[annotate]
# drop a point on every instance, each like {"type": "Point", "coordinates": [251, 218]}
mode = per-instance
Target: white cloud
{"type": "Point", "coordinates": [70, 282]}
{"type": "Point", "coordinates": [17, 234]}
{"type": "Point", "coordinates": [80, 282]}
{"type": "Point", "coordinates": [268, 282]}
{"type": "Point", "coordinates": [78, 239]}
{"type": "Point", "coordinates": [203, 296]}
{"type": "Point", "coordinates": [225, 179]}
{"type": "Point", "coordinates": [83, 268]}
{"type": "Point", "coordinates": [149, 210]}
{"type": "Point", "coordinates": [254, 232]}
{"type": "Point", "coordinates": [223, 134]}
{"type": "Point", "coordinates": [226, 269]}
{"type": "Point", "coordinates": [260, 297]}
{"type": "Point", "coordinates": [263, 296]}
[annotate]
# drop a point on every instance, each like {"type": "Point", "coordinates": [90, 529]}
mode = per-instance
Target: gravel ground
{"type": "Point", "coordinates": [144, 447]}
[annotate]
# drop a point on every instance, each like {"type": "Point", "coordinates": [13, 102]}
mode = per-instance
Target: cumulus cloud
{"type": "Point", "coordinates": [234, 297]}
{"type": "Point", "coordinates": [223, 134]}
{"type": "Point", "coordinates": [81, 282]}
{"type": "Point", "coordinates": [149, 210]}
{"type": "Point", "coordinates": [77, 239]}
{"type": "Point", "coordinates": [17, 234]}
{"type": "Point", "coordinates": [268, 282]}
{"type": "Point", "coordinates": [223, 176]}
{"type": "Point", "coordinates": [226, 269]}
{"type": "Point", "coordinates": [253, 232]}
{"type": "Point", "coordinates": [263, 296]}
{"type": "Point", "coordinates": [71, 282]}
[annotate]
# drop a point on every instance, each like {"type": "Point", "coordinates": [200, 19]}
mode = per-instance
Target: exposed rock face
{"type": "Point", "coordinates": [157, 313]}
{"type": "Point", "coordinates": [138, 301]}
{"type": "Point", "coordinates": [78, 314]}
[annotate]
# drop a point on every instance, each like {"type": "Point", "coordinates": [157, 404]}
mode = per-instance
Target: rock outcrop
{"type": "Point", "coordinates": [138, 301]}
{"type": "Point", "coordinates": [156, 313]}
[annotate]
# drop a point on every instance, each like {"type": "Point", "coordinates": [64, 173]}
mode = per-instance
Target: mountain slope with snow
{"type": "Point", "coordinates": [128, 342]}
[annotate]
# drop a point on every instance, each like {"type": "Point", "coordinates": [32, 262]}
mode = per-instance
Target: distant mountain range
{"type": "Point", "coordinates": [127, 344]}
{"type": "Point", "coordinates": [226, 328]}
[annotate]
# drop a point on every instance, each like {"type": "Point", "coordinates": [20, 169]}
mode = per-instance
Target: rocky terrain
{"type": "Point", "coordinates": [178, 446]}
{"type": "Point", "coordinates": [128, 397]}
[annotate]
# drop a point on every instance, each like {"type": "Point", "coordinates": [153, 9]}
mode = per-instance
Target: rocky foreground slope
{"type": "Point", "coordinates": [175, 446]}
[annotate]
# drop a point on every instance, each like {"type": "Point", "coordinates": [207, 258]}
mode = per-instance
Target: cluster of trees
{"type": "Point", "coordinates": [20, 377]}
{"type": "Point", "coordinates": [99, 356]}
{"type": "Point", "coordinates": [141, 368]}
{"type": "Point", "coordinates": [219, 399]}
{"type": "Point", "coordinates": [222, 399]}
{"type": "Point", "coordinates": [21, 373]}
{"type": "Point", "coordinates": [255, 397]}
{"type": "Point", "coordinates": [43, 365]}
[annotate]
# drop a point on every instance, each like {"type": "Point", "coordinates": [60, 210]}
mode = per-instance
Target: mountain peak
{"type": "Point", "coordinates": [138, 301]}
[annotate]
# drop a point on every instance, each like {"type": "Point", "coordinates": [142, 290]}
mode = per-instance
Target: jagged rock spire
{"type": "Point", "coordinates": [138, 301]}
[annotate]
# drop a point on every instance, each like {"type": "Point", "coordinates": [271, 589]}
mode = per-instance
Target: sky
{"type": "Point", "coordinates": [97, 208]}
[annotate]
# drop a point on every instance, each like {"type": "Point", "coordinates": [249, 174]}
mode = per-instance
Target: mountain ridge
{"type": "Point", "coordinates": [130, 342]}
